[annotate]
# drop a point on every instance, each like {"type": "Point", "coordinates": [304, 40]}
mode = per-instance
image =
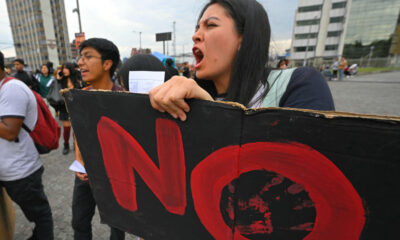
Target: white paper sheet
{"type": "Point", "coordinates": [144, 81]}
{"type": "Point", "coordinates": [77, 167]}
{"type": "Point", "coordinates": [50, 82]}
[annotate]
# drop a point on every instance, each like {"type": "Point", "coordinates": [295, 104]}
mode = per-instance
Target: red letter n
{"type": "Point", "coordinates": [123, 155]}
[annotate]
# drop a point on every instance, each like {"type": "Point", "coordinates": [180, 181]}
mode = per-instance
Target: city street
{"type": "Point", "coordinates": [371, 94]}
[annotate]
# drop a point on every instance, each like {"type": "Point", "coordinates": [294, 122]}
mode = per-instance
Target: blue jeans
{"type": "Point", "coordinates": [29, 194]}
{"type": "Point", "coordinates": [83, 208]}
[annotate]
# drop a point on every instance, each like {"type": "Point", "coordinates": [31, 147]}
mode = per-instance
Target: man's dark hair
{"type": "Point", "coordinates": [50, 67]}
{"type": "Point", "coordinates": [169, 62]}
{"type": "Point", "coordinates": [1, 61]}
{"type": "Point", "coordinates": [106, 48]}
{"type": "Point", "coordinates": [20, 60]}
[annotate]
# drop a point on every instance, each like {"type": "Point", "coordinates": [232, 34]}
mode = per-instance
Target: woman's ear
{"type": "Point", "coordinates": [240, 43]}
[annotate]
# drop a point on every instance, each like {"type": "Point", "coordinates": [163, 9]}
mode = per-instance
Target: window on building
{"type": "Point", "coordinates": [305, 36]}
{"type": "Point", "coordinates": [308, 22]}
{"type": "Point", "coordinates": [331, 47]}
{"type": "Point", "coordinates": [303, 49]}
{"type": "Point", "coordinates": [339, 5]}
{"type": "Point", "coordinates": [336, 19]}
{"type": "Point", "coordinates": [334, 34]}
{"type": "Point", "coordinates": [310, 8]}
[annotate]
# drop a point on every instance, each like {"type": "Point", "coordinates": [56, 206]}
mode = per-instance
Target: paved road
{"type": "Point", "coordinates": [372, 94]}
{"type": "Point", "coordinates": [58, 182]}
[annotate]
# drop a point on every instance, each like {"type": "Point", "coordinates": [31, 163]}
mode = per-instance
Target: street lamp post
{"type": "Point", "coordinates": [140, 39]}
{"type": "Point", "coordinates": [371, 52]}
{"type": "Point", "coordinates": [78, 11]}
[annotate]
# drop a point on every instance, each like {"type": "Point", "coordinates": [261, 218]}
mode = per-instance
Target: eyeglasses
{"type": "Point", "coordinates": [86, 58]}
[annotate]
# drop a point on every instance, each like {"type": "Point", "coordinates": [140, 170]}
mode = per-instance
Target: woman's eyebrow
{"type": "Point", "coordinates": [212, 18]}
{"type": "Point", "coordinates": [206, 21]}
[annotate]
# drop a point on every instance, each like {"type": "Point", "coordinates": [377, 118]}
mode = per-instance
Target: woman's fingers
{"type": "Point", "coordinates": [170, 96]}
{"type": "Point", "coordinates": [153, 101]}
{"type": "Point", "coordinates": [174, 110]}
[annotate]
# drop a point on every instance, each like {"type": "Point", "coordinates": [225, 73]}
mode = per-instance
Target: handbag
{"type": "Point", "coordinates": [54, 97]}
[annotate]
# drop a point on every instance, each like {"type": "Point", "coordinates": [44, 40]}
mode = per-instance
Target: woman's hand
{"type": "Point", "coordinates": [58, 77]}
{"type": "Point", "coordinates": [170, 96]}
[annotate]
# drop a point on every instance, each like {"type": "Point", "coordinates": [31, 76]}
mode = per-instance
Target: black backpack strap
{"type": "Point", "coordinates": [26, 128]}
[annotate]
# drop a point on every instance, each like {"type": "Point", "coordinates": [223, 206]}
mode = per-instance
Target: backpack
{"type": "Point", "coordinates": [46, 132]}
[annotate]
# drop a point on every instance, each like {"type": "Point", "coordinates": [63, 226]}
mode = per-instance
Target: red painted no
{"type": "Point", "coordinates": [122, 154]}
{"type": "Point", "coordinates": [339, 209]}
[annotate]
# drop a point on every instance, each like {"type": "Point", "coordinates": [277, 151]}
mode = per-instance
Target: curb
{"type": "Point", "coordinates": [375, 72]}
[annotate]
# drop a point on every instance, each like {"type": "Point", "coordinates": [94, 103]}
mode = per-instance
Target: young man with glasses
{"type": "Point", "coordinates": [98, 61]}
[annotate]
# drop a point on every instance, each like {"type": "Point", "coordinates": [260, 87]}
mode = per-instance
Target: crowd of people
{"type": "Point", "coordinates": [231, 51]}
{"type": "Point", "coordinates": [339, 69]}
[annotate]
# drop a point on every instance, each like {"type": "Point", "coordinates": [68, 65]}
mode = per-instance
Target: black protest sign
{"type": "Point", "coordinates": [230, 173]}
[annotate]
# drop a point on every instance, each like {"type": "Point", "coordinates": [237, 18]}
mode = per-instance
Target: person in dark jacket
{"type": "Point", "coordinates": [186, 70]}
{"type": "Point", "coordinates": [170, 71]}
{"type": "Point", "coordinates": [22, 75]}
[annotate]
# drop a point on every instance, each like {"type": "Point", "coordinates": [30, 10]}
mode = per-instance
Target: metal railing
{"type": "Point", "coordinates": [317, 62]}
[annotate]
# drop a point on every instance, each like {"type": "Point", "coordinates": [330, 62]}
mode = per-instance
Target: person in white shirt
{"type": "Point", "coordinates": [21, 169]}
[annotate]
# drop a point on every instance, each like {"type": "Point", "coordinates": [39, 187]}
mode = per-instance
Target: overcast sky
{"type": "Point", "coordinates": [121, 21]}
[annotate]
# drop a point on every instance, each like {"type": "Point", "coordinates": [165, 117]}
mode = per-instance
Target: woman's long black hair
{"type": "Point", "coordinates": [248, 70]}
{"type": "Point", "coordinates": [73, 75]}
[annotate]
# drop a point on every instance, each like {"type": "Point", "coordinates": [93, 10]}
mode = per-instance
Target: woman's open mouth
{"type": "Point", "coordinates": [198, 54]}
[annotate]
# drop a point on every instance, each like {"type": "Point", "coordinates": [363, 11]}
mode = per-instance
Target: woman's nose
{"type": "Point", "coordinates": [197, 36]}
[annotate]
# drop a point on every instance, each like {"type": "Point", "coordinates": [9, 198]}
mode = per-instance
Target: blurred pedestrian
{"type": "Point", "coordinates": [45, 79]}
{"type": "Point", "coordinates": [342, 65]}
{"type": "Point", "coordinates": [326, 72]}
{"type": "Point", "coordinates": [22, 75]}
{"type": "Point", "coordinates": [68, 78]}
{"type": "Point", "coordinates": [9, 70]}
{"type": "Point", "coordinates": [170, 70]}
{"type": "Point", "coordinates": [283, 64]}
{"type": "Point", "coordinates": [335, 68]}
{"type": "Point", "coordinates": [20, 166]}
{"type": "Point", "coordinates": [50, 67]}
{"type": "Point", "coordinates": [186, 70]}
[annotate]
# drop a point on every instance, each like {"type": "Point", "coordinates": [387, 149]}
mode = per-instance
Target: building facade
{"type": "Point", "coordinates": [40, 33]}
{"type": "Point", "coordinates": [371, 28]}
{"type": "Point", "coordinates": [327, 29]}
{"type": "Point", "coordinates": [395, 47]}
{"type": "Point", "coordinates": [319, 30]}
